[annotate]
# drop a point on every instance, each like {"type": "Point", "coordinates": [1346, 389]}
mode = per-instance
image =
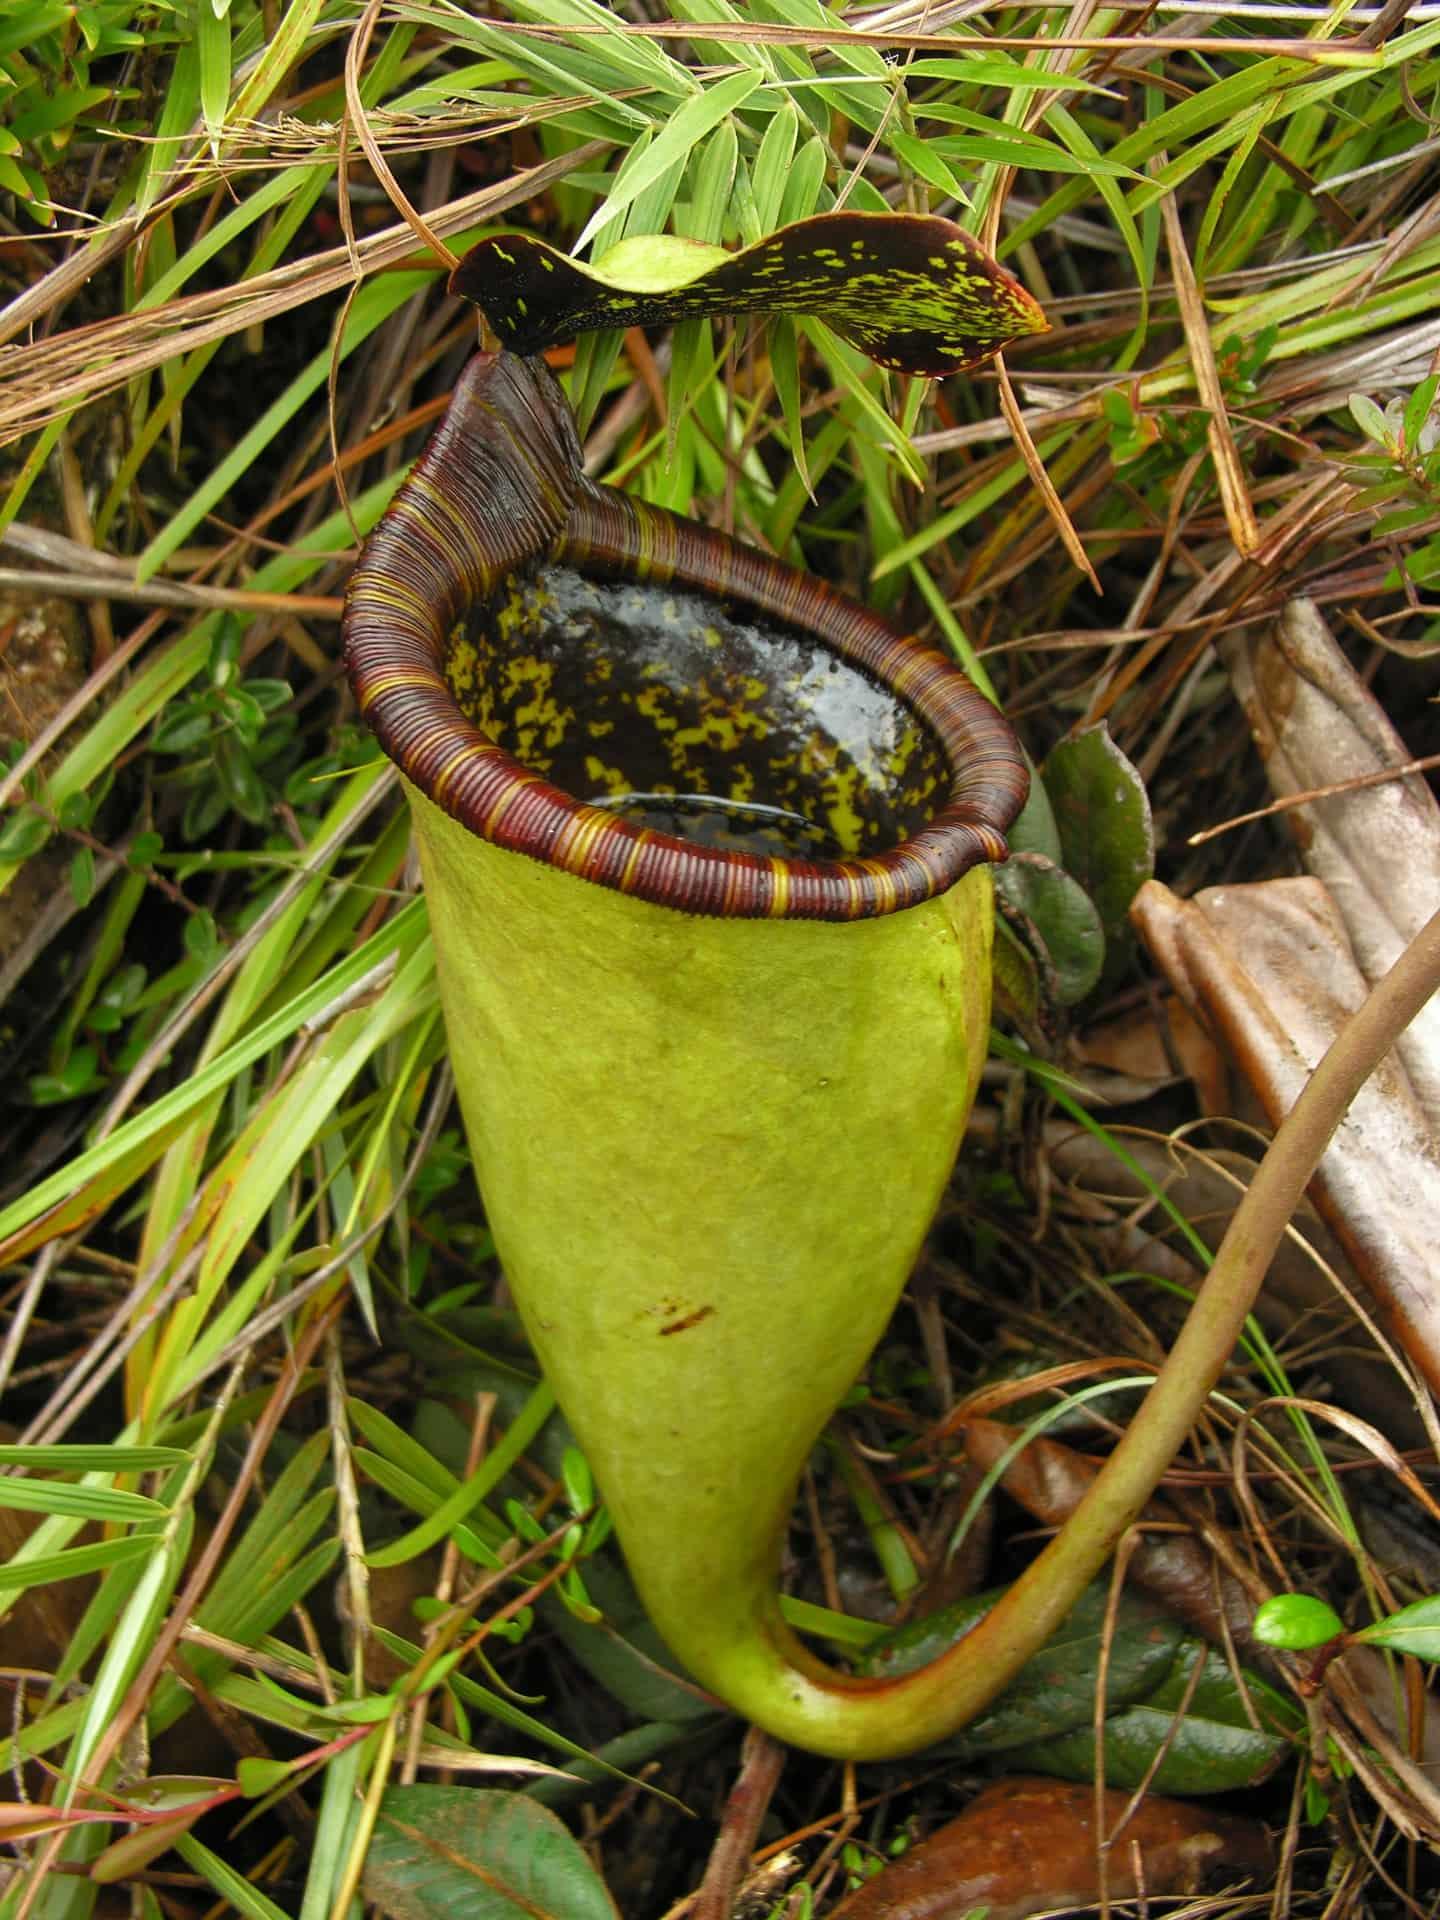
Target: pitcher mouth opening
{"type": "Point", "coordinates": [650, 706]}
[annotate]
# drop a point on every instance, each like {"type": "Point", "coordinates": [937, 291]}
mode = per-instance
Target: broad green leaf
{"type": "Point", "coordinates": [447, 1853]}
{"type": "Point", "coordinates": [1418, 409]}
{"type": "Point", "coordinates": [1062, 915]}
{"type": "Point", "coordinates": [986, 70]}
{"type": "Point", "coordinates": [1103, 815]}
{"type": "Point", "coordinates": [684, 130]}
{"type": "Point", "coordinates": [1055, 1691]}
{"type": "Point", "coordinates": [1209, 1747]}
{"type": "Point", "coordinates": [395, 1445]}
{"type": "Point", "coordinates": [915, 293]}
{"type": "Point", "coordinates": [24, 24]}
{"type": "Point", "coordinates": [1008, 147]}
{"type": "Point", "coordinates": [924, 157]}
{"type": "Point", "coordinates": [1414, 1629]}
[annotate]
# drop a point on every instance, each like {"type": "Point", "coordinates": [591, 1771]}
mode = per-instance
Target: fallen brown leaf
{"type": "Point", "coordinates": [1377, 849]}
{"type": "Point", "coordinates": [1025, 1845]}
{"type": "Point", "coordinates": [1270, 970]}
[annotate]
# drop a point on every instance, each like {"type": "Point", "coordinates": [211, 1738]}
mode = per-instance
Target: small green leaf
{"type": "Point", "coordinates": [1370, 420]}
{"type": "Point", "coordinates": [450, 1853]}
{"type": "Point", "coordinates": [256, 1776]}
{"type": "Point", "coordinates": [1296, 1621]}
{"type": "Point", "coordinates": [579, 1482]}
{"type": "Point", "coordinates": [1414, 1629]}
{"type": "Point", "coordinates": [915, 293]}
{"type": "Point", "coordinates": [370, 1710]}
{"type": "Point", "coordinates": [1417, 409]}
{"type": "Point", "coordinates": [242, 786]}
{"type": "Point", "coordinates": [182, 729]}
{"type": "Point", "coordinates": [24, 833]}
{"type": "Point", "coordinates": [924, 158]}
{"type": "Point", "coordinates": [78, 1075]}
{"type": "Point", "coordinates": [82, 877]}
{"type": "Point", "coordinates": [1103, 816]}
{"type": "Point", "coordinates": [76, 810]}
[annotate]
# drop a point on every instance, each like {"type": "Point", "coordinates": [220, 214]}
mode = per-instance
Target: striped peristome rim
{"type": "Point", "coordinates": [498, 485]}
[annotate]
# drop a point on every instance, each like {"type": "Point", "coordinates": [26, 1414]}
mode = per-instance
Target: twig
{"type": "Point", "coordinates": [762, 1760]}
{"type": "Point", "coordinates": [1376, 778]}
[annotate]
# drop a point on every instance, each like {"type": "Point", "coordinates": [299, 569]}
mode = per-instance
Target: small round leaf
{"type": "Point", "coordinates": [1297, 1621]}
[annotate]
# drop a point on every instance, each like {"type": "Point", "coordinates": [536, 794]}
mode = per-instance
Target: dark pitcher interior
{"type": "Point", "coordinates": [624, 693]}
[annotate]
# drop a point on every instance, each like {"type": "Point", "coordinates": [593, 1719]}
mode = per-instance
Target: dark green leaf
{"type": "Point", "coordinates": [243, 787]}
{"type": "Point", "coordinates": [76, 810]}
{"type": "Point", "coordinates": [915, 293]}
{"type": "Point", "coordinates": [1212, 1748]}
{"type": "Point", "coordinates": [182, 729]}
{"type": "Point", "coordinates": [1054, 1692]}
{"type": "Point", "coordinates": [448, 1853]}
{"type": "Point", "coordinates": [269, 694]}
{"type": "Point", "coordinates": [1062, 916]}
{"type": "Point", "coordinates": [1105, 831]}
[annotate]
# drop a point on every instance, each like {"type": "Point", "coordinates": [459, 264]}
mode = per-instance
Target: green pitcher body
{"type": "Point", "coordinates": [714, 1085]}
